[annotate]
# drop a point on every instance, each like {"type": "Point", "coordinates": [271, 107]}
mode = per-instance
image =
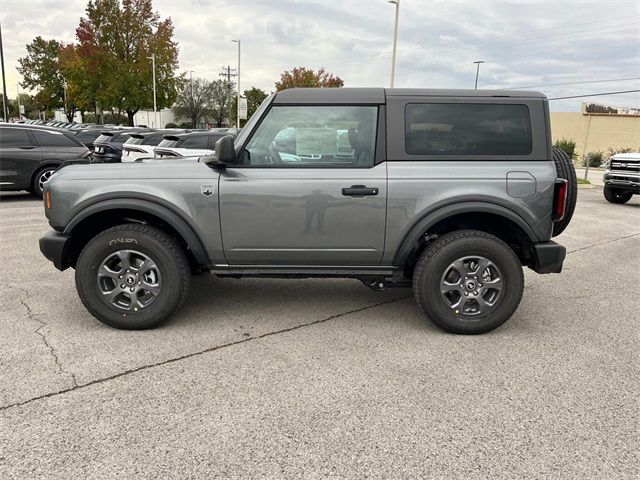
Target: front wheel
{"type": "Point", "coordinates": [132, 276]}
{"type": "Point", "coordinates": [468, 282]}
{"type": "Point", "coordinates": [614, 195]}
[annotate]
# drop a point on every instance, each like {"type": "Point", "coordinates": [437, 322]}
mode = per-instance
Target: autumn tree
{"type": "Point", "coordinates": [115, 43]}
{"type": "Point", "coordinates": [306, 77]}
{"type": "Point", "coordinates": [41, 71]}
{"type": "Point", "coordinates": [194, 99]}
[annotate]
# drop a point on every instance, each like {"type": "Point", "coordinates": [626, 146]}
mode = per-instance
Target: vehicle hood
{"type": "Point", "coordinates": [136, 171]}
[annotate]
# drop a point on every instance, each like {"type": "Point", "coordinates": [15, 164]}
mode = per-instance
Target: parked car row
{"type": "Point", "coordinates": [31, 151]}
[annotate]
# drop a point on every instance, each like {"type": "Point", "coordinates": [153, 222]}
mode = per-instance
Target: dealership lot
{"type": "Point", "coordinates": [317, 378]}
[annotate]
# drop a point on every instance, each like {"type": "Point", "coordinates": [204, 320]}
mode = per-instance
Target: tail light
{"type": "Point", "coordinates": [560, 199]}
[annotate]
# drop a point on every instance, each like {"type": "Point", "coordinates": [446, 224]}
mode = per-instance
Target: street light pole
{"type": "Point", "coordinates": [5, 107]}
{"type": "Point", "coordinates": [238, 99]}
{"type": "Point", "coordinates": [395, 40]}
{"type": "Point", "coordinates": [155, 103]}
{"type": "Point", "coordinates": [478, 62]}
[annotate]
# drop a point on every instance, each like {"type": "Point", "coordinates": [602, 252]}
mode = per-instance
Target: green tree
{"type": "Point", "coordinates": [41, 71]}
{"type": "Point", "coordinates": [193, 100]}
{"type": "Point", "coordinates": [306, 77]}
{"type": "Point", "coordinates": [222, 94]}
{"type": "Point", "coordinates": [31, 109]}
{"type": "Point", "coordinates": [115, 43]}
{"type": "Point", "coordinates": [255, 97]}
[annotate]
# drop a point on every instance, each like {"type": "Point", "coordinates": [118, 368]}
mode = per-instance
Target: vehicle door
{"type": "Point", "coordinates": [19, 156]}
{"type": "Point", "coordinates": [318, 198]}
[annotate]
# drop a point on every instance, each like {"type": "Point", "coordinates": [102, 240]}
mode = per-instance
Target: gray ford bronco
{"type": "Point", "coordinates": [451, 192]}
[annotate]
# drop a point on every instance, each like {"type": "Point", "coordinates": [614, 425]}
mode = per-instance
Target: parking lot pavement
{"type": "Point", "coordinates": [316, 378]}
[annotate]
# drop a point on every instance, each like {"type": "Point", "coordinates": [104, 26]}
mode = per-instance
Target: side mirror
{"type": "Point", "coordinates": [225, 150]}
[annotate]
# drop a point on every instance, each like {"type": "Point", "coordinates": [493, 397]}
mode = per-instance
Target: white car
{"type": "Point", "coordinates": [143, 145]}
{"type": "Point", "coordinates": [190, 144]}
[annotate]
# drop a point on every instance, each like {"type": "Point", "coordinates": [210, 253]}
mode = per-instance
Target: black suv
{"type": "Point", "coordinates": [107, 148]}
{"type": "Point", "coordinates": [29, 154]}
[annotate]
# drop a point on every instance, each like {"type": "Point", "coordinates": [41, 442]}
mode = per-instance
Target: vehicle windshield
{"type": "Point", "coordinates": [246, 130]}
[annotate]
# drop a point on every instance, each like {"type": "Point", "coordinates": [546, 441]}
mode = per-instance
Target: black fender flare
{"type": "Point", "coordinates": [164, 213]}
{"type": "Point", "coordinates": [430, 219]}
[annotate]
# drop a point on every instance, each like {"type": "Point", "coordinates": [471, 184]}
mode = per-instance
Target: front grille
{"type": "Point", "coordinates": [625, 166]}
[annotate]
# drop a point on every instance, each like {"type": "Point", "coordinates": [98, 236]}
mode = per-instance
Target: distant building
{"type": "Point", "coordinates": [597, 128]}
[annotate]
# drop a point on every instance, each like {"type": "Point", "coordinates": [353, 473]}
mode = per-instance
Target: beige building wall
{"type": "Point", "coordinates": [601, 131]}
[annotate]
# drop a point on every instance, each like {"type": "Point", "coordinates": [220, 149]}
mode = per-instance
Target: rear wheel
{"type": "Point", "coordinates": [566, 170]}
{"type": "Point", "coordinates": [614, 195]}
{"type": "Point", "coordinates": [468, 282]}
{"type": "Point", "coordinates": [132, 276]}
{"type": "Point", "coordinates": [40, 178]}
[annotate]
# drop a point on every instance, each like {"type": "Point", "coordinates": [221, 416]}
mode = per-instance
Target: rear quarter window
{"type": "Point", "coordinates": [467, 129]}
{"type": "Point", "coordinates": [54, 139]}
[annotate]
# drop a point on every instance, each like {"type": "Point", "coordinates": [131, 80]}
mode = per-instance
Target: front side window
{"type": "Point", "coordinates": [467, 129]}
{"type": "Point", "coordinates": [314, 136]}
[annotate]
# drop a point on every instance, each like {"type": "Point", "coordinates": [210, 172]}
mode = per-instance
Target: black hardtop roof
{"type": "Point", "coordinates": [378, 95]}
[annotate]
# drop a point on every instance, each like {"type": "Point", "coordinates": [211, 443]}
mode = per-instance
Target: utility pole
{"type": "Point", "coordinates": [228, 72]}
{"type": "Point", "coordinates": [155, 103]}
{"type": "Point", "coordinates": [5, 107]}
{"type": "Point", "coordinates": [18, 99]}
{"type": "Point", "coordinates": [395, 41]}
{"type": "Point", "coordinates": [238, 99]}
{"type": "Point", "coordinates": [478, 62]}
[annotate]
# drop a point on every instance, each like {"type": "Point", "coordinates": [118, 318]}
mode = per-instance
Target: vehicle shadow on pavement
{"type": "Point", "coordinates": [10, 197]}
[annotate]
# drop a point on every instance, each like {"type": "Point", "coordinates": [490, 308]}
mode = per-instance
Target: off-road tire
{"type": "Point", "coordinates": [566, 170]}
{"type": "Point", "coordinates": [614, 195]}
{"type": "Point", "coordinates": [161, 248]}
{"type": "Point", "coordinates": [35, 182]}
{"type": "Point", "coordinates": [436, 258]}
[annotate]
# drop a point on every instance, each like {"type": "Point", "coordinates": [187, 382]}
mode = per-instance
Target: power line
{"type": "Point", "coordinates": [596, 94]}
{"type": "Point", "coordinates": [574, 83]}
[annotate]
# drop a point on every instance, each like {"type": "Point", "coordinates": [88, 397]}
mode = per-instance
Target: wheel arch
{"type": "Point", "coordinates": [107, 213]}
{"type": "Point", "coordinates": [41, 166]}
{"type": "Point", "coordinates": [487, 217]}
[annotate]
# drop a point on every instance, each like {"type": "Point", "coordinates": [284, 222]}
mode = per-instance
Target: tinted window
{"type": "Point", "coordinates": [104, 138]}
{"type": "Point", "coordinates": [154, 139]}
{"type": "Point", "coordinates": [135, 140]}
{"type": "Point", "coordinates": [198, 142]}
{"type": "Point", "coordinates": [467, 129]}
{"type": "Point", "coordinates": [310, 136]}
{"type": "Point", "coordinates": [53, 139]}
{"type": "Point", "coordinates": [14, 137]}
{"type": "Point", "coordinates": [89, 136]}
{"type": "Point", "coordinates": [168, 143]}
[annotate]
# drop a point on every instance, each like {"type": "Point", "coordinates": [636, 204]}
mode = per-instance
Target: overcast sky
{"type": "Point", "coordinates": [524, 44]}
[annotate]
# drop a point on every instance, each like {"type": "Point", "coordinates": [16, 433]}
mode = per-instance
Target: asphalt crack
{"type": "Point", "coordinates": [39, 331]}
{"type": "Point", "coordinates": [603, 243]}
{"type": "Point", "coordinates": [125, 373]}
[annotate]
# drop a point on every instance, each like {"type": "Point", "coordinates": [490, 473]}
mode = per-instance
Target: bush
{"type": "Point", "coordinates": [595, 159]}
{"type": "Point", "coordinates": [568, 146]}
{"type": "Point", "coordinates": [185, 125]}
{"type": "Point", "coordinates": [612, 151]}
{"type": "Point", "coordinates": [171, 125]}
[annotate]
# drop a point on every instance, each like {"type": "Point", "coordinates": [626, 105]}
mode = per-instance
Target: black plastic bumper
{"type": "Point", "coordinates": [53, 245]}
{"type": "Point", "coordinates": [549, 257]}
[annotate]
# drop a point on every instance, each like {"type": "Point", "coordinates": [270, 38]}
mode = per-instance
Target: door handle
{"type": "Point", "coordinates": [359, 191]}
{"type": "Point", "coordinates": [30, 147]}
